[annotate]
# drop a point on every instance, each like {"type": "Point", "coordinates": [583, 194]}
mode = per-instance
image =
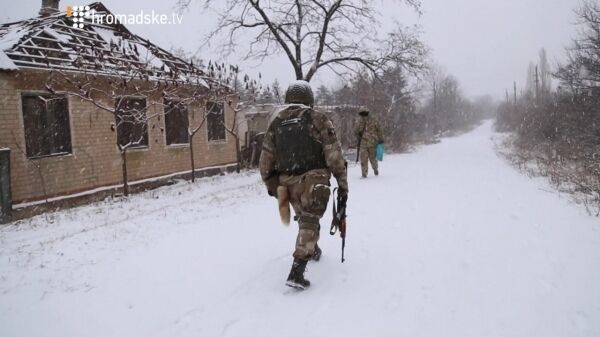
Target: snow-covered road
{"type": "Point", "coordinates": [448, 241]}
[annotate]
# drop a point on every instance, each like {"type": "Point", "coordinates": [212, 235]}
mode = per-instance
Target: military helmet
{"type": "Point", "coordinates": [299, 92]}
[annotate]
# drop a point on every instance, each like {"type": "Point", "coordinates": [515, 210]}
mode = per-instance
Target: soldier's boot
{"type": "Point", "coordinates": [317, 254]}
{"type": "Point", "coordinates": [376, 171]}
{"type": "Point", "coordinates": [296, 278]}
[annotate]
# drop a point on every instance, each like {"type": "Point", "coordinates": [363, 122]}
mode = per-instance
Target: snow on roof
{"type": "Point", "coordinates": [259, 109]}
{"type": "Point", "coordinates": [9, 36]}
{"type": "Point", "coordinates": [6, 63]}
{"type": "Point", "coordinates": [53, 43]}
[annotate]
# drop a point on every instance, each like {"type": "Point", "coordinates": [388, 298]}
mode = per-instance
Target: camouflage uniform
{"type": "Point", "coordinates": [369, 133]}
{"type": "Point", "coordinates": [308, 192]}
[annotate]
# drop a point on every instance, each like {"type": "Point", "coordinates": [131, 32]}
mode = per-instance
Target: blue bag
{"type": "Point", "coordinates": [379, 152]}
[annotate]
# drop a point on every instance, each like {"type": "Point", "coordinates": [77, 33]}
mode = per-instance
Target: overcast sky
{"type": "Point", "coordinates": [486, 44]}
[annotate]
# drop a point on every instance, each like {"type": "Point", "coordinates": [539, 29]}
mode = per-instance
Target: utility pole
{"type": "Point", "coordinates": [435, 114]}
{"type": "Point", "coordinates": [434, 98]}
{"type": "Point", "coordinates": [515, 95]}
{"type": "Point", "coordinates": [537, 86]}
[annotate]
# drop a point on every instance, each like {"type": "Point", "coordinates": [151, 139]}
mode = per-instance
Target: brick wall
{"type": "Point", "coordinates": [95, 160]}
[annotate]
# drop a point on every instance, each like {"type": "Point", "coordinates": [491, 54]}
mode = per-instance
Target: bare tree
{"type": "Point", "coordinates": [390, 97]}
{"type": "Point", "coordinates": [130, 96]}
{"type": "Point", "coordinates": [175, 103]}
{"type": "Point", "coordinates": [250, 89]}
{"type": "Point", "coordinates": [342, 35]}
{"type": "Point", "coordinates": [558, 131]}
{"type": "Point", "coordinates": [221, 93]}
{"type": "Point", "coordinates": [109, 68]}
{"type": "Point", "coordinates": [581, 71]}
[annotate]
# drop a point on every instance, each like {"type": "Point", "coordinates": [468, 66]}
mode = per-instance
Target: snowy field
{"type": "Point", "coordinates": [448, 241]}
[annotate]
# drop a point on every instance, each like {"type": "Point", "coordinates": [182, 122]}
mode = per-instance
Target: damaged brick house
{"type": "Point", "coordinates": [57, 87]}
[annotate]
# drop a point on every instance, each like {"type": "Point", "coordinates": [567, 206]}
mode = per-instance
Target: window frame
{"type": "Point", "coordinates": [68, 124]}
{"type": "Point", "coordinates": [166, 104]}
{"type": "Point", "coordinates": [141, 145]}
{"type": "Point", "coordinates": [208, 123]}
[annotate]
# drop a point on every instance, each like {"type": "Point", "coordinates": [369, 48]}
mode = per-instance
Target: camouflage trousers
{"type": "Point", "coordinates": [309, 194]}
{"type": "Point", "coordinates": [367, 154]}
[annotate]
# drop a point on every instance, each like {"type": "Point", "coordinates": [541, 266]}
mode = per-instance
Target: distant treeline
{"type": "Point", "coordinates": [559, 129]}
{"type": "Point", "coordinates": [410, 110]}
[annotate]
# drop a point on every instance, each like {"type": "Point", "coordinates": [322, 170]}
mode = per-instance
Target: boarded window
{"type": "Point", "coordinates": [215, 121]}
{"type": "Point", "coordinates": [46, 121]}
{"type": "Point", "coordinates": [176, 122]}
{"type": "Point", "coordinates": [131, 121]}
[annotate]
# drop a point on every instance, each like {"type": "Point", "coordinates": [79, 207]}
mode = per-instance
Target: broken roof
{"type": "Point", "coordinates": [51, 42]}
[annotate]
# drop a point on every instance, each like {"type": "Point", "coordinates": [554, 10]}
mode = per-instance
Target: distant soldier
{"type": "Point", "coordinates": [369, 135]}
{"type": "Point", "coordinates": [300, 152]}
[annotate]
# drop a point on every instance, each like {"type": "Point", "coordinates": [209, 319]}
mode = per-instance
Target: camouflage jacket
{"type": "Point", "coordinates": [368, 131]}
{"type": "Point", "coordinates": [322, 131]}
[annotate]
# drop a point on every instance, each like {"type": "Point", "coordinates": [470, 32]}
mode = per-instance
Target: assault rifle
{"type": "Point", "coordinates": [338, 223]}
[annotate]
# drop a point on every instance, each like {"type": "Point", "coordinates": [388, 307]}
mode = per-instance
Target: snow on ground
{"type": "Point", "coordinates": [448, 241]}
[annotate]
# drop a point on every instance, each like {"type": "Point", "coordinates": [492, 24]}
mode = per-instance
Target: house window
{"type": "Point", "coordinates": [131, 121]}
{"type": "Point", "coordinates": [46, 122]}
{"type": "Point", "coordinates": [176, 122]}
{"type": "Point", "coordinates": [215, 121]}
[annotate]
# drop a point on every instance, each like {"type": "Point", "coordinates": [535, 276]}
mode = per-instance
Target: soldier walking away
{"type": "Point", "coordinates": [300, 153]}
{"type": "Point", "coordinates": [369, 135]}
